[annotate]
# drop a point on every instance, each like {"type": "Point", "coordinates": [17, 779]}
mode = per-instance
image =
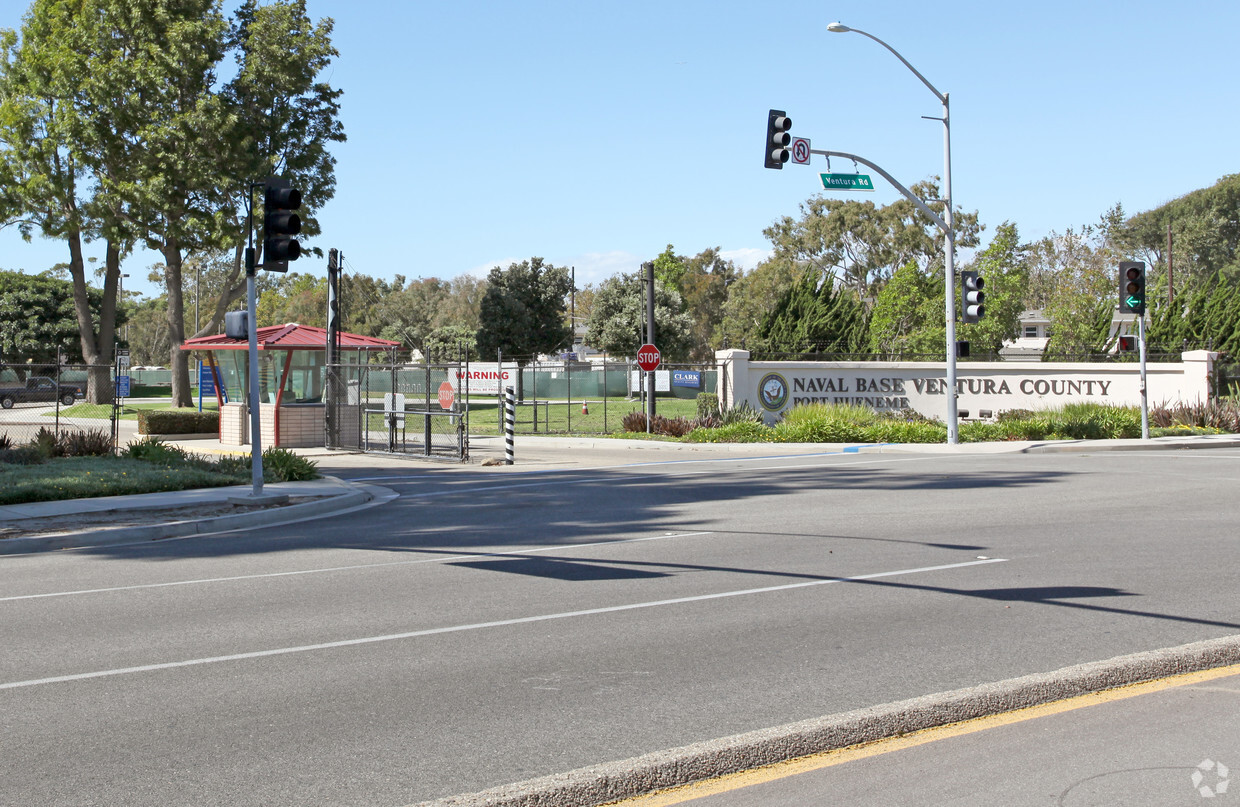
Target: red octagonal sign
{"type": "Point", "coordinates": [446, 395]}
{"type": "Point", "coordinates": [648, 358]}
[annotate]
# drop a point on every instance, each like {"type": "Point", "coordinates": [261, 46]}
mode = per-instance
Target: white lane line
{"type": "Point", "coordinates": [441, 559]}
{"type": "Point", "coordinates": [392, 637]}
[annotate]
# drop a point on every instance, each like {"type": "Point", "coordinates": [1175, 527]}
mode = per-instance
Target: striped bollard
{"type": "Point", "coordinates": [510, 422]}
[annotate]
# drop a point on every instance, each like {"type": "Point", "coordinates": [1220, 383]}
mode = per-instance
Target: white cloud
{"type": "Point", "coordinates": [745, 258]}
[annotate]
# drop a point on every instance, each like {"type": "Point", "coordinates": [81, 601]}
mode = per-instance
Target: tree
{"type": "Point", "coordinates": [1003, 266]}
{"type": "Point", "coordinates": [294, 297]}
{"type": "Point", "coordinates": [66, 146]}
{"type": "Point", "coordinates": [704, 287]}
{"type": "Point", "coordinates": [616, 318]}
{"type": "Point", "coordinates": [275, 117]}
{"type": "Point", "coordinates": [907, 319]}
{"type": "Point", "coordinates": [1072, 279]}
{"type": "Point", "coordinates": [752, 295]}
{"type": "Point", "coordinates": [1205, 236]}
{"type": "Point", "coordinates": [451, 343]}
{"type": "Point", "coordinates": [113, 126]}
{"type": "Point", "coordinates": [862, 245]}
{"type": "Point", "coordinates": [670, 268]}
{"type": "Point", "coordinates": [817, 316]}
{"type": "Point", "coordinates": [37, 317]}
{"type": "Point", "coordinates": [522, 312]}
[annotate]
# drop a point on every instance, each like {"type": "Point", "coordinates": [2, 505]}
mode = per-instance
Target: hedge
{"type": "Point", "coordinates": [163, 421]}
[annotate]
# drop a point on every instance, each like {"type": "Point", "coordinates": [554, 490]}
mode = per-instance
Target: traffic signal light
{"type": "Point", "coordinates": [972, 298]}
{"type": "Point", "coordinates": [1127, 343]}
{"type": "Point", "coordinates": [777, 139]}
{"type": "Point", "coordinates": [1132, 287]}
{"type": "Point", "coordinates": [280, 224]}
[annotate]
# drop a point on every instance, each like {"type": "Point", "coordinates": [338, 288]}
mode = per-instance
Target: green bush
{"type": "Point", "coordinates": [22, 455]}
{"type": "Point", "coordinates": [177, 421]}
{"type": "Point", "coordinates": [851, 414]}
{"type": "Point", "coordinates": [896, 431]}
{"type": "Point", "coordinates": [94, 443]}
{"type": "Point", "coordinates": [152, 449]}
{"type": "Point", "coordinates": [742, 431]}
{"type": "Point", "coordinates": [816, 430]}
{"type": "Point", "coordinates": [742, 413]}
{"type": "Point", "coordinates": [1222, 414]}
{"type": "Point", "coordinates": [707, 404]}
{"type": "Point", "coordinates": [282, 465]}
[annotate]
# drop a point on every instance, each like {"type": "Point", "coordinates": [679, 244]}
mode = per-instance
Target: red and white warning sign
{"type": "Point", "coordinates": [648, 357]}
{"type": "Point", "coordinates": [800, 150]}
{"type": "Point", "coordinates": [446, 395]}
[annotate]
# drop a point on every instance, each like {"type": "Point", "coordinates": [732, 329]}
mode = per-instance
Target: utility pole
{"type": "Point", "coordinates": [649, 267]}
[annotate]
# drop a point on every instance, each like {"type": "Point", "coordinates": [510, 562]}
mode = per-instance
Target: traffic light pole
{"type": "Point", "coordinates": [1145, 401]}
{"type": "Point", "coordinates": [949, 267]}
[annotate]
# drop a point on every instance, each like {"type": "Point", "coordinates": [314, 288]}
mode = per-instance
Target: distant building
{"type": "Point", "coordinates": [1034, 331]}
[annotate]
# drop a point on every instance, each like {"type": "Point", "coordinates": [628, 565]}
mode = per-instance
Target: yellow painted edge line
{"type": "Point", "coordinates": [839, 756]}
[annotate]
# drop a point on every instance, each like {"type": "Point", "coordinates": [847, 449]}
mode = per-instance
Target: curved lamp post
{"type": "Point", "coordinates": [949, 245]}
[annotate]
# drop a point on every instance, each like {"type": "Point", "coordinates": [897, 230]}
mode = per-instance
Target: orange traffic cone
{"type": "Point", "coordinates": [585, 410]}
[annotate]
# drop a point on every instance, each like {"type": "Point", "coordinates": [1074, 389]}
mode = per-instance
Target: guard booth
{"type": "Point", "coordinates": [292, 370]}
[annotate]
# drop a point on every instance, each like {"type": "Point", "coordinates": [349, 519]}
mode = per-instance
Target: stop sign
{"type": "Point", "coordinates": [446, 395]}
{"type": "Point", "coordinates": [648, 357]}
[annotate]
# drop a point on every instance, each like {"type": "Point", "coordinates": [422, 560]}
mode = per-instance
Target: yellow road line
{"type": "Point", "coordinates": [826, 759]}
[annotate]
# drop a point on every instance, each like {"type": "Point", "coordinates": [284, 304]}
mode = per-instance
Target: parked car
{"type": "Point", "coordinates": [39, 388]}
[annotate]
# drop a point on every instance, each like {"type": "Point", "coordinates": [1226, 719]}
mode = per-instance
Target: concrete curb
{"type": "Point", "coordinates": [353, 496]}
{"type": "Point", "coordinates": [613, 781]}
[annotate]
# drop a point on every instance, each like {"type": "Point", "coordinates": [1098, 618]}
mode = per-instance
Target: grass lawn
{"type": "Point", "coordinates": [559, 417]}
{"type": "Point", "coordinates": [88, 477]}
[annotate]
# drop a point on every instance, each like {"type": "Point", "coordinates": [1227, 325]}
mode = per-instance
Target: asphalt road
{"type": "Point", "coordinates": [492, 625]}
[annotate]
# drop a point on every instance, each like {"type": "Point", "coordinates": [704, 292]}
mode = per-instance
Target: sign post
{"type": "Point", "coordinates": [648, 359]}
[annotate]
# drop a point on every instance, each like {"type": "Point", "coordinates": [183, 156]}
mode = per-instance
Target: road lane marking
{"type": "Point", "coordinates": [852, 753]}
{"type": "Point", "coordinates": [500, 623]}
{"type": "Point", "coordinates": [442, 559]}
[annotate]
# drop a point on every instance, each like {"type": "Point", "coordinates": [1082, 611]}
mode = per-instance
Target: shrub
{"type": "Point", "coordinates": [177, 421]}
{"type": "Point", "coordinates": [709, 421]}
{"type": "Point", "coordinates": [22, 455]}
{"type": "Point", "coordinates": [6, 442]}
{"type": "Point", "coordinates": [743, 431]}
{"type": "Point", "coordinates": [152, 449]}
{"type": "Point", "coordinates": [673, 427]}
{"type": "Point", "coordinates": [1223, 414]}
{"type": "Point", "coordinates": [816, 430]}
{"type": "Point", "coordinates": [47, 443]}
{"type": "Point", "coordinates": [282, 465]}
{"type": "Point", "coordinates": [742, 413]}
{"type": "Point", "coordinates": [95, 443]}
{"type": "Point", "coordinates": [851, 414]}
{"type": "Point", "coordinates": [634, 422]}
{"type": "Point", "coordinates": [896, 431]}
{"type": "Point", "coordinates": [707, 405]}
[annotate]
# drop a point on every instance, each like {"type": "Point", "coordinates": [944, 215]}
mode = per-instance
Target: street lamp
{"type": "Point", "coordinates": [949, 245]}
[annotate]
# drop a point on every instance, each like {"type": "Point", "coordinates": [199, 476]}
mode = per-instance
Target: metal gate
{"type": "Point", "coordinates": [413, 409]}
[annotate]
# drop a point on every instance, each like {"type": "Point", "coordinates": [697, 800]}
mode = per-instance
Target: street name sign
{"type": "Point", "coordinates": [847, 182]}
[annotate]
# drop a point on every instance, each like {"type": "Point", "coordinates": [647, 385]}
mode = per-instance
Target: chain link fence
{"type": "Point", "coordinates": [56, 398]}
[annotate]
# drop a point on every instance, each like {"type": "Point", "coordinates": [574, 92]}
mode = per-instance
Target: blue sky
{"type": "Point", "coordinates": [594, 134]}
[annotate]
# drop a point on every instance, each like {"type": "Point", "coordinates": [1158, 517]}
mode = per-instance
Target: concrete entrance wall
{"type": "Point", "coordinates": [985, 388]}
